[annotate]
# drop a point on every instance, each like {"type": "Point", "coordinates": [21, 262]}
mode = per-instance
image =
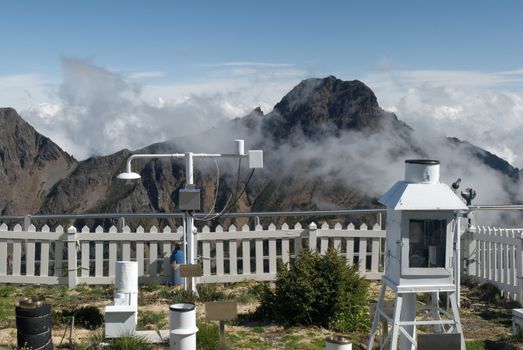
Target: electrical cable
{"type": "Point", "coordinates": [227, 206]}
{"type": "Point", "coordinates": [244, 188]}
{"type": "Point", "coordinates": [215, 192]}
{"type": "Point", "coordinates": [65, 332]}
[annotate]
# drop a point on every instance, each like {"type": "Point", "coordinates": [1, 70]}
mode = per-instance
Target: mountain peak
{"type": "Point", "coordinates": [321, 91]}
{"type": "Point", "coordinates": [327, 104]}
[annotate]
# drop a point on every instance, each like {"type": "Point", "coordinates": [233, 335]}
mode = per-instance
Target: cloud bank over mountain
{"type": "Point", "coordinates": [485, 109]}
{"type": "Point", "coordinates": [95, 110]}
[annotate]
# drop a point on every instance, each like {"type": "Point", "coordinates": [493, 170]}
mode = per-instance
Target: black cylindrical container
{"type": "Point", "coordinates": [33, 324]}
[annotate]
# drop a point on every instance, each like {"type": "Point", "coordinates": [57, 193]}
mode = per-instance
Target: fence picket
{"type": "Point", "coordinates": [519, 269]}
{"type": "Point", "coordinates": [219, 258]}
{"type": "Point", "coordinates": [484, 255]}
{"type": "Point", "coordinates": [85, 254]}
{"type": "Point", "coordinates": [126, 246]}
{"type": "Point", "coordinates": [140, 251]}
{"type": "Point", "coordinates": [206, 253]}
{"type": "Point", "coordinates": [362, 254]}
{"type": "Point", "coordinates": [44, 254]}
{"type": "Point", "coordinates": [375, 255]}
{"type": "Point", "coordinates": [259, 256]}
{"type": "Point", "coordinates": [504, 248]}
{"type": "Point", "coordinates": [488, 256]}
{"type": "Point", "coordinates": [272, 255]}
{"type": "Point", "coordinates": [153, 254]}
{"type": "Point", "coordinates": [99, 255]}
{"type": "Point", "coordinates": [313, 235]}
{"type": "Point", "coordinates": [72, 262]}
{"type": "Point", "coordinates": [285, 253]}
{"type": "Point", "coordinates": [30, 253]}
{"type": "Point", "coordinates": [298, 244]}
{"type": "Point", "coordinates": [58, 253]}
{"type": "Point", "coordinates": [166, 255]}
{"type": "Point", "coordinates": [3, 252]}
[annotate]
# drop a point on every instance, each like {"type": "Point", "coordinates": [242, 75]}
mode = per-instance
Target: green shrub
{"type": "Point", "coordinates": [489, 293]}
{"type": "Point", "coordinates": [209, 292]}
{"type": "Point", "coordinates": [150, 320]}
{"type": "Point", "coordinates": [7, 291]}
{"type": "Point", "coordinates": [317, 290]}
{"type": "Point", "coordinates": [88, 317]}
{"type": "Point", "coordinates": [208, 336]}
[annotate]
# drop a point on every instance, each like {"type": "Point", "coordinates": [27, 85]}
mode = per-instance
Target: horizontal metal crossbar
{"type": "Point", "coordinates": [342, 212]}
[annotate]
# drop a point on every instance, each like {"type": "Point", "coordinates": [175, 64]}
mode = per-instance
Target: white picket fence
{"type": "Point", "coordinates": [494, 255]}
{"type": "Point", "coordinates": [73, 257]}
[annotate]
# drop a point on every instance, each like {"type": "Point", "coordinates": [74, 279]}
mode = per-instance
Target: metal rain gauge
{"type": "Point", "coordinates": [420, 261]}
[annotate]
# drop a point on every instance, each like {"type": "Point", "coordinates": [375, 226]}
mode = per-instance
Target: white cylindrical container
{"type": "Point", "coordinates": [126, 283]}
{"type": "Point", "coordinates": [338, 343]}
{"type": "Point", "coordinates": [182, 326]}
{"type": "Point", "coordinates": [422, 171]}
{"type": "Point", "coordinates": [240, 147]}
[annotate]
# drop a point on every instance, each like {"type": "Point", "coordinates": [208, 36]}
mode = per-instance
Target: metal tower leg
{"type": "Point", "coordinates": [396, 320]}
{"type": "Point", "coordinates": [408, 314]}
{"type": "Point", "coordinates": [434, 299]}
{"type": "Point", "coordinates": [377, 317]}
{"type": "Point", "coordinates": [455, 315]}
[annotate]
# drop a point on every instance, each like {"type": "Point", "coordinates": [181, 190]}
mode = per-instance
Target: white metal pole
{"type": "Point", "coordinates": [189, 221]}
{"type": "Point", "coordinates": [457, 279]}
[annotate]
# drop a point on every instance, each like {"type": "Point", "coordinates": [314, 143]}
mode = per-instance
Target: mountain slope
{"type": "Point", "coordinates": [30, 164]}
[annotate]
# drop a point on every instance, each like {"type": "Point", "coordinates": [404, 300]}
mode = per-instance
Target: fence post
{"type": "Point", "coordinates": [313, 234]}
{"type": "Point", "coordinates": [519, 269]}
{"type": "Point", "coordinates": [72, 264]}
{"type": "Point", "coordinates": [27, 222]}
{"type": "Point", "coordinates": [470, 253]}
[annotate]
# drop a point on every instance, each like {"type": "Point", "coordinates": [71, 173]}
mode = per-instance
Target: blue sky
{"type": "Point", "coordinates": [327, 37]}
{"type": "Point", "coordinates": [81, 72]}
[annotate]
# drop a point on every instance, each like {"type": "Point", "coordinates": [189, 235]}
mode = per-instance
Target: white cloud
{"type": "Point", "coordinates": [245, 64]}
{"type": "Point", "coordinates": [23, 90]}
{"type": "Point", "coordinates": [98, 111]}
{"type": "Point", "coordinates": [145, 75]}
{"type": "Point", "coordinates": [485, 109]}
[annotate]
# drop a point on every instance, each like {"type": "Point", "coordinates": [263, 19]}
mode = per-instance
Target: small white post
{"type": "Point", "coordinates": [72, 265]}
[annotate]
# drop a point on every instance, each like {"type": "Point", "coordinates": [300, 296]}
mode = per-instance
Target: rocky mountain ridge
{"type": "Point", "coordinates": [30, 165]}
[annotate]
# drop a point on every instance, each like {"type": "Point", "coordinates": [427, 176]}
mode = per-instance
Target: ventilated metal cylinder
{"type": "Point", "coordinates": [182, 326]}
{"type": "Point", "coordinates": [422, 171]}
{"type": "Point", "coordinates": [338, 343]}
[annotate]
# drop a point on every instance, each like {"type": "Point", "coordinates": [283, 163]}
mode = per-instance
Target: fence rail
{"type": "Point", "coordinates": [88, 256]}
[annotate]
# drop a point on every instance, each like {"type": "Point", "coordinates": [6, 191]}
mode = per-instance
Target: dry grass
{"type": "Point", "coordinates": [485, 326]}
